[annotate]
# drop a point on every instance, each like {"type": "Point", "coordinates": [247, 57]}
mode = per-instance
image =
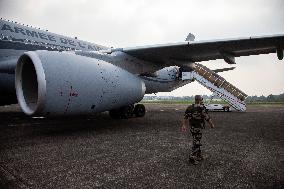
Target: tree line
{"type": "Point", "coordinates": [262, 98]}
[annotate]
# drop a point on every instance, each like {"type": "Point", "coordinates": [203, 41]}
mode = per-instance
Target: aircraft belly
{"type": "Point", "coordinates": [5, 53]}
{"type": "Point", "coordinates": [7, 89]}
{"type": "Point", "coordinates": [154, 85]}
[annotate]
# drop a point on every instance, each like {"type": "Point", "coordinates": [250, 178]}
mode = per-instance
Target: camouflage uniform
{"type": "Point", "coordinates": [197, 116]}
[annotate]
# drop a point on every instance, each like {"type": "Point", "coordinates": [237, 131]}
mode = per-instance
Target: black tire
{"type": "Point", "coordinates": [127, 112]}
{"type": "Point", "coordinates": [139, 110]}
{"type": "Point", "coordinates": [122, 113]}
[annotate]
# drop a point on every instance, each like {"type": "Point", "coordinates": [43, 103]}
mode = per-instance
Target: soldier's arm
{"type": "Point", "coordinates": [208, 119]}
{"type": "Point", "coordinates": [211, 124]}
{"type": "Point", "coordinates": [184, 120]}
{"type": "Point", "coordinates": [183, 125]}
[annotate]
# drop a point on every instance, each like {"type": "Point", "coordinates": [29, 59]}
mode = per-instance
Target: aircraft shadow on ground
{"type": "Point", "coordinates": [100, 123]}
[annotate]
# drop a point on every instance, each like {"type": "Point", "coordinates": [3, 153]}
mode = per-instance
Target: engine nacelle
{"type": "Point", "coordinates": [168, 73]}
{"type": "Point", "coordinates": [164, 80]}
{"type": "Point", "coordinates": [56, 83]}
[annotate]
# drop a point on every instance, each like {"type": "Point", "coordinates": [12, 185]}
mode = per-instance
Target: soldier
{"type": "Point", "coordinates": [197, 116]}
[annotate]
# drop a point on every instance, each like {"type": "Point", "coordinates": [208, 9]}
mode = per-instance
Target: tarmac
{"type": "Point", "coordinates": [245, 150]}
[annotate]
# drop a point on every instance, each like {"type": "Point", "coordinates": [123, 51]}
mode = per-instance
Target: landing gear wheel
{"type": "Point", "coordinates": [139, 110]}
{"type": "Point", "coordinates": [127, 111]}
{"type": "Point", "coordinates": [122, 113]}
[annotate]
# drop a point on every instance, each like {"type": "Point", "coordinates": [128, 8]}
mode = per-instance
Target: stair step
{"type": "Point", "coordinates": [219, 86]}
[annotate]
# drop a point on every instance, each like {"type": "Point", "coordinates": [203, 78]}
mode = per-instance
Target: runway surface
{"type": "Point", "coordinates": [245, 150]}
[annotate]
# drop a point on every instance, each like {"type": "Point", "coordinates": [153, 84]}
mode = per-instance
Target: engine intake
{"type": "Point", "coordinates": [55, 83]}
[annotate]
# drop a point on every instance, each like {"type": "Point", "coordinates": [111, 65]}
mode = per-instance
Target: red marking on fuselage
{"type": "Point", "coordinates": [74, 94]}
{"type": "Point", "coordinates": [71, 94]}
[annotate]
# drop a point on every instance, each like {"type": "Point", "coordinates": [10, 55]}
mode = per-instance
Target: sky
{"type": "Point", "coordinates": [129, 23]}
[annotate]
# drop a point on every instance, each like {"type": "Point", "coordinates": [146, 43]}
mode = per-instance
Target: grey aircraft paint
{"type": "Point", "coordinates": [153, 65]}
{"type": "Point", "coordinates": [15, 39]}
{"type": "Point", "coordinates": [28, 38]}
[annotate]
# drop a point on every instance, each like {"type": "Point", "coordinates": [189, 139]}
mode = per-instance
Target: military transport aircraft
{"type": "Point", "coordinates": [50, 74]}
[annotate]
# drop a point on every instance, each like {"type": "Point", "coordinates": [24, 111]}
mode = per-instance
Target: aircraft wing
{"type": "Point", "coordinates": [198, 51]}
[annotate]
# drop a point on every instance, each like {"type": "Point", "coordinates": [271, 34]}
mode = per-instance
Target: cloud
{"type": "Point", "coordinates": [122, 23]}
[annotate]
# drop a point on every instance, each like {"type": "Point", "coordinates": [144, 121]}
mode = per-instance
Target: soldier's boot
{"type": "Point", "coordinates": [193, 160]}
{"type": "Point", "coordinates": [199, 156]}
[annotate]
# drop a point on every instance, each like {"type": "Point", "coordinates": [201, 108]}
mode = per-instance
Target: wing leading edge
{"type": "Point", "coordinates": [198, 51]}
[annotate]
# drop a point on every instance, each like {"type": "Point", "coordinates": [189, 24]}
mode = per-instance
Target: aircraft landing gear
{"type": "Point", "coordinates": [127, 112]}
{"type": "Point", "coordinates": [139, 110]}
{"type": "Point", "coordinates": [124, 112]}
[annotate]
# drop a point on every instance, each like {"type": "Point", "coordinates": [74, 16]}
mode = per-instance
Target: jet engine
{"type": "Point", "coordinates": [56, 83]}
{"type": "Point", "coordinates": [163, 80]}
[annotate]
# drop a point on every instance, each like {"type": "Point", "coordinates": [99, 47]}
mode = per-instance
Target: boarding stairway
{"type": "Point", "coordinates": [218, 85]}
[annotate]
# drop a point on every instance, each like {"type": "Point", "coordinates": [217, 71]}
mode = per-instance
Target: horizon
{"type": "Point", "coordinates": [210, 95]}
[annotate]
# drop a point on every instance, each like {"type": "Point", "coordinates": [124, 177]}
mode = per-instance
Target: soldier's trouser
{"type": "Point", "coordinates": [196, 143]}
